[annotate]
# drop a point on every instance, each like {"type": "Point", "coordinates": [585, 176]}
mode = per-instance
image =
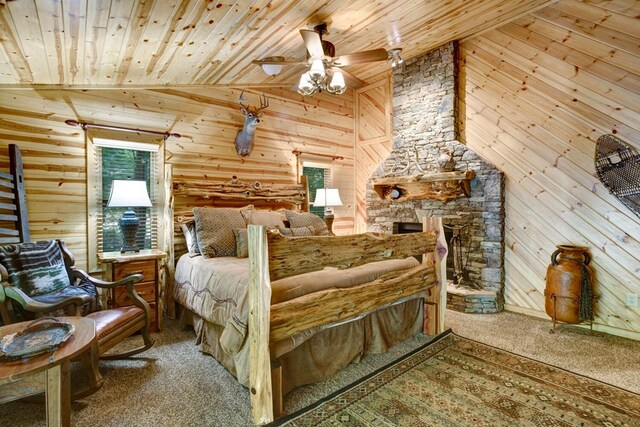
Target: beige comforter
{"type": "Point", "coordinates": [216, 289]}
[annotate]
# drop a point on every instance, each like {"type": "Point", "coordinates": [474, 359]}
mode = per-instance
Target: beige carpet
{"type": "Point", "coordinates": [175, 385]}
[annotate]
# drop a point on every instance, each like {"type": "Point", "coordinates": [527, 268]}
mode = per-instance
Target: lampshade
{"type": "Point", "coordinates": [129, 194]}
{"type": "Point", "coordinates": [327, 197]}
{"type": "Point", "coordinates": [305, 82]}
{"type": "Point", "coordinates": [337, 84]}
{"type": "Point", "coordinates": [317, 70]}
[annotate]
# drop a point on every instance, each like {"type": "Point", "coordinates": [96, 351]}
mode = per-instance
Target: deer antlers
{"type": "Point", "coordinates": [264, 103]}
{"type": "Point", "coordinates": [408, 165]}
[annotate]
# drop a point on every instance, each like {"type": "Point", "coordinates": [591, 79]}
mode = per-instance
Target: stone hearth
{"type": "Point", "coordinates": [424, 107]}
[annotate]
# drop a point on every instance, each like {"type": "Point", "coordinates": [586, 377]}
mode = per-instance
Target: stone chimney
{"type": "Point", "coordinates": [425, 117]}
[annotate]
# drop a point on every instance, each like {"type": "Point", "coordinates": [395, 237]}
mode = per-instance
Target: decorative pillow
{"type": "Point", "coordinates": [272, 219]}
{"type": "Point", "coordinates": [37, 268]}
{"type": "Point", "coordinates": [189, 232]}
{"type": "Point", "coordinates": [242, 242]}
{"type": "Point", "coordinates": [306, 219]}
{"type": "Point", "coordinates": [214, 230]}
{"type": "Point", "coordinates": [297, 231]}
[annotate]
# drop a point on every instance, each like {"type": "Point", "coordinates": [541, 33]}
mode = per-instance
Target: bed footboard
{"type": "Point", "coordinates": [272, 257]}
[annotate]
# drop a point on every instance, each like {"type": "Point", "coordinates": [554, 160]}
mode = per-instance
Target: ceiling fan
{"type": "Point", "coordinates": [323, 63]}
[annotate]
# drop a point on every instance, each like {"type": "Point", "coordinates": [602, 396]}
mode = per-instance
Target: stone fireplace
{"type": "Point", "coordinates": [425, 123]}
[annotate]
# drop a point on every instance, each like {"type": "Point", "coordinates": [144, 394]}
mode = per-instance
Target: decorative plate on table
{"type": "Point", "coordinates": [40, 336]}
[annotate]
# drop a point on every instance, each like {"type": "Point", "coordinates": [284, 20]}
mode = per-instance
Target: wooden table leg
{"type": "Point", "coordinates": [58, 396]}
{"type": "Point", "coordinates": [90, 361]}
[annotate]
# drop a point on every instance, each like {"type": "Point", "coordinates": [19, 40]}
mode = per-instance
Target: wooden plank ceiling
{"type": "Point", "coordinates": [187, 42]}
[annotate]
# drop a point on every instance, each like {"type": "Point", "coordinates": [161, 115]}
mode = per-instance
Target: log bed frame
{"type": "Point", "coordinates": [273, 256]}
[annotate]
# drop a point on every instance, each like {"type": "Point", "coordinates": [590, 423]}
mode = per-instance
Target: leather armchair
{"type": "Point", "coordinates": [112, 325]}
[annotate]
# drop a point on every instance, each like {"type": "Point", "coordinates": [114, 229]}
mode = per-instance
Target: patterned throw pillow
{"type": "Point", "coordinates": [214, 230]}
{"type": "Point", "coordinates": [37, 268]}
{"type": "Point", "coordinates": [272, 219]}
{"type": "Point", "coordinates": [190, 236]}
{"type": "Point", "coordinates": [306, 219]}
{"type": "Point", "coordinates": [242, 242]}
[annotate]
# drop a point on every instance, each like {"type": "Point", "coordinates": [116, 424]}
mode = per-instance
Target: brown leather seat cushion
{"type": "Point", "coordinates": [107, 321]}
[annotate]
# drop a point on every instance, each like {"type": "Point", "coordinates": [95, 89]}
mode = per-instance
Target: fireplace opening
{"type": "Point", "coordinates": [457, 257]}
{"type": "Point", "coordinates": [409, 227]}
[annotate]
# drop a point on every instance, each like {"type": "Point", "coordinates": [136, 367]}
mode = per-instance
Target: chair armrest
{"type": "Point", "coordinates": [34, 306]}
{"type": "Point", "coordinates": [127, 282]}
{"type": "Point", "coordinates": [134, 278]}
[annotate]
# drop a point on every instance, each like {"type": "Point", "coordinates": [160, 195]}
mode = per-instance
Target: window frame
{"type": "Point", "coordinates": [94, 187]}
{"type": "Point", "coordinates": [328, 176]}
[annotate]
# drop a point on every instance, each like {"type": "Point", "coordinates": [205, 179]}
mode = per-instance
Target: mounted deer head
{"type": "Point", "coordinates": [244, 138]}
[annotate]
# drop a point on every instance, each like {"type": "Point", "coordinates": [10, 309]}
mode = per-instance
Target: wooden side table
{"type": "Point", "coordinates": [47, 372]}
{"type": "Point", "coordinates": [145, 262]}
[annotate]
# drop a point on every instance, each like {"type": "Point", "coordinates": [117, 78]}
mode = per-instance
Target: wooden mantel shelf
{"type": "Point", "coordinates": [443, 186]}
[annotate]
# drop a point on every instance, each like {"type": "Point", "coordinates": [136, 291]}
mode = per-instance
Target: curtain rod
{"type": "Point", "coordinates": [333, 156]}
{"type": "Point", "coordinates": [85, 126]}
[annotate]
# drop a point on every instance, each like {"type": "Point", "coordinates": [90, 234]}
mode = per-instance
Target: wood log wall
{"type": "Point", "coordinates": [535, 96]}
{"type": "Point", "coordinates": [208, 118]}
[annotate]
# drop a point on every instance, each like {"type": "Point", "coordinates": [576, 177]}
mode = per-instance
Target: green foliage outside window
{"type": "Point", "coordinates": [124, 164]}
{"type": "Point", "coordinates": [315, 179]}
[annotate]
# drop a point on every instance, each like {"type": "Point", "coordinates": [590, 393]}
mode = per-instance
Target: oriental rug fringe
{"type": "Point", "coordinates": [454, 381]}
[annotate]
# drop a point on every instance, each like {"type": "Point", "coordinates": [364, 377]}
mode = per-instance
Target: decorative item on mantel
{"type": "Point", "coordinates": [569, 296]}
{"type": "Point", "coordinates": [446, 162]}
{"type": "Point", "coordinates": [442, 186]}
{"type": "Point", "coordinates": [129, 194]}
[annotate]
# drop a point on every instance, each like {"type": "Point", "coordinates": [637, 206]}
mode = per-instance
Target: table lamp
{"type": "Point", "coordinates": [328, 197]}
{"type": "Point", "coordinates": [129, 194]}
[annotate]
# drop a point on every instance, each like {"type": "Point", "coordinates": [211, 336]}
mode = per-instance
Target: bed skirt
{"type": "Point", "coordinates": [323, 353]}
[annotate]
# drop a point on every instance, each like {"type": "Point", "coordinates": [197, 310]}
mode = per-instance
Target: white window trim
{"type": "Point", "coordinates": [328, 175]}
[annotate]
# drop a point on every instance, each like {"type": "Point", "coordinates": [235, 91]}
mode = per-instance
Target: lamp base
{"type": "Point", "coordinates": [129, 224]}
{"type": "Point", "coordinates": [328, 219]}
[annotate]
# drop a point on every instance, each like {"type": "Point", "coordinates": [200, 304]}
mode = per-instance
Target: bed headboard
{"type": "Point", "coordinates": [188, 194]}
{"type": "Point", "coordinates": [14, 220]}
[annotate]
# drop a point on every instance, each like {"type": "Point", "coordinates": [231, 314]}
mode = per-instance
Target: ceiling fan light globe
{"type": "Point", "coordinates": [272, 69]}
{"type": "Point", "coordinates": [337, 85]}
{"type": "Point", "coordinates": [305, 82]}
{"type": "Point", "coordinates": [317, 71]}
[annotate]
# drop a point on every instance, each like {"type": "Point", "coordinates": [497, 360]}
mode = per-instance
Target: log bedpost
{"type": "Point", "coordinates": [169, 263]}
{"type": "Point", "coordinates": [259, 310]}
{"type": "Point", "coordinates": [436, 302]}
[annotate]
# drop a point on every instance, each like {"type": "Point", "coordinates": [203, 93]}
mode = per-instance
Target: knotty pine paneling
{"type": "Point", "coordinates": [535, 96]}
{"type": "Point", "coordinates": [55, 158]}
{"type": "Point", "coordinates": [158, 42]}
{"type": "Point", "coordinates": [373, 128]}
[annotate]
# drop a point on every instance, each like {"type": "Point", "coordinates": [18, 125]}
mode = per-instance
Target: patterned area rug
{"type": "Point", "coordinates": [455, 381]}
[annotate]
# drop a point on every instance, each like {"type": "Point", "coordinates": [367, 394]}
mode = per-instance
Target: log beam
{"type": "Point", "coordinates": [259, 303]}
{"type": "Point", "coordinates": [436, 302]}
{"type": "Point", "coordinates": [292, 256]}
{"type": "Point", "coordinates": [342, 304]}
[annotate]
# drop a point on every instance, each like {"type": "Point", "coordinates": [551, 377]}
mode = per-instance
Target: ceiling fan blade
{"type": "Point", "coordinates": [313, 43]}
{"type": "Point", "coordinates": [266, 61]}
{"type": "Point", "coordinates": [351, 80]}
{"type": "Point", "coordinates": [360, 57]}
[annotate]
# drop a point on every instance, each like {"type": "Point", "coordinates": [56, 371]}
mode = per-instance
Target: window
{"type": "Point", "coordinates": [109, 160]}
{"type": "Point", "coordinates": [318, 176]}
{"type": "Point", "coordinates": [125, 164]}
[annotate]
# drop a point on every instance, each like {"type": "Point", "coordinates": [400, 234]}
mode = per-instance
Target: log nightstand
{"type": "Point", "coordinates": [145, 262]}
